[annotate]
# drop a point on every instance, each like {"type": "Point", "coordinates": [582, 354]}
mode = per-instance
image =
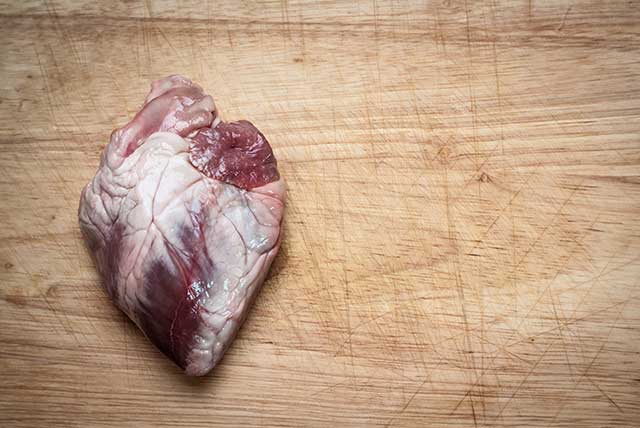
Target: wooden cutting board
{"type": "Point", "coordinates": [462, 231]}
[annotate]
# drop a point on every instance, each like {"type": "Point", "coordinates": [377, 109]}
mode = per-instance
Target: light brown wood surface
{"type": "Point", "coordinates": [462, 235]}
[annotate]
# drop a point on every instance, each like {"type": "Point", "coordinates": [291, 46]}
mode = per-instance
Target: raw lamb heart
{"type": "Point", "coordinates": [183, 218]}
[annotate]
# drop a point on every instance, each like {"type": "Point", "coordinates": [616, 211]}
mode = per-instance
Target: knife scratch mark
{"type": "Point", "coordinates": [406, 405]}
{"type": "Point", "coordinates": [564, 18]}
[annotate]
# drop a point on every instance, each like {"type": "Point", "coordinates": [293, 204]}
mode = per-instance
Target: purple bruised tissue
{"type": "Point", "coordinates": [183, 219]}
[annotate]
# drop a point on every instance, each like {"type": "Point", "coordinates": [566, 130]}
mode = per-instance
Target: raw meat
{"type": "Point", "coordinates": [183, 218]}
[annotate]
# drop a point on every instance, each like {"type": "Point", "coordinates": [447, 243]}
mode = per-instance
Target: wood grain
{"type": "Point", "coordinates": [462, 234]}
